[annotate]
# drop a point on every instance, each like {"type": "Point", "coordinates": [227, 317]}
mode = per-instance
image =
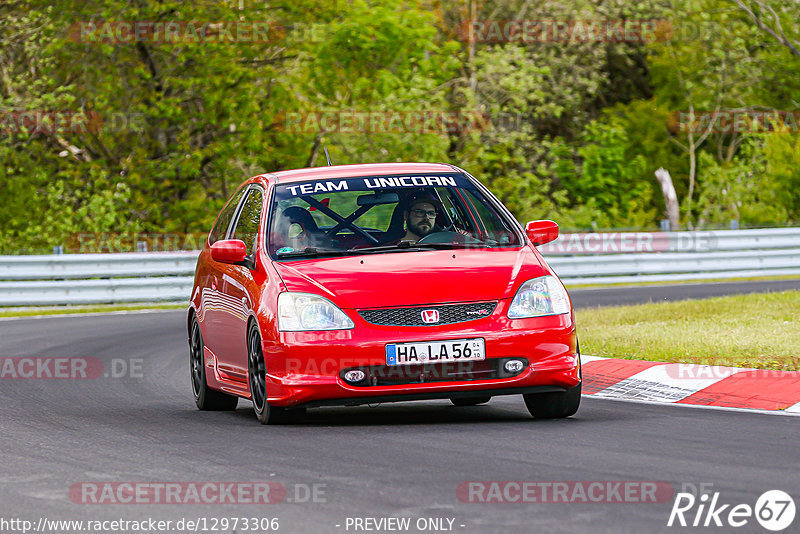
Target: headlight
{"type": "Point", "coordinates": [306, 311]}
{"type": "Point", "coordinates": [541, 296]}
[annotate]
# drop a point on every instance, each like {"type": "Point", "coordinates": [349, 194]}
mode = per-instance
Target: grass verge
{"type": "Point", "coordinates": [100, 308]}
{"type": "Point", "coordinates": [760, 330]}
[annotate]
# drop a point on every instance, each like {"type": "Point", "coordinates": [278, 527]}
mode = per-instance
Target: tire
{"type": "Point", "coordinates": [257, 380]}
{"type": "Point", "coordinates": [554, 405]}
{"type": "Point", "coordinates": [205, 398]}
{"type": "Point", "coordinates": [469, 401]}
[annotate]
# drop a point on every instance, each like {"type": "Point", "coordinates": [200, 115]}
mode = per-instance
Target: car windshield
{"type": "Point", "coordinates": [379, 214]}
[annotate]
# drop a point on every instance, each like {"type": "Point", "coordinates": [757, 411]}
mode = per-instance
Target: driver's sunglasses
{"type": "Point", "coordinates": [423, 213]}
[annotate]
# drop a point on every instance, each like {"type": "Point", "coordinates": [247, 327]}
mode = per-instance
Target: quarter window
{"type": "Point", "coordinates": [249, 219]}
{"type": "Point", "coordinates": [220, 229]}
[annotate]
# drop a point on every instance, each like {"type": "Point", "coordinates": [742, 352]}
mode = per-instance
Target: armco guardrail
{"type": "Point", "coordinates": [579, 259]}
{"type": "Point", "coordinates": [76, 266]}
{"type": "Point", "coordinates": [96, 278]}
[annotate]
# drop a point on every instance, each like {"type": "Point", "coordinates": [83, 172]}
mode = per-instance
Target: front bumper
{"type": "Point", "coordinates": [304, 368]}
{"type": "Point", "coordinates": [417, 396]}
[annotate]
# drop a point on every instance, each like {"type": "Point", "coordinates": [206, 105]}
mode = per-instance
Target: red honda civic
{"type": "Point", "coordinates": [362, 284]}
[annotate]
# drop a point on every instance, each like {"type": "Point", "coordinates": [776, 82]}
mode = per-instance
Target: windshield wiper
{"type": "Point", "coordinates": [311, 251]}
{"type": "Point", "coordinates": [451, 245]}
{"type": "Point", "coordinates": [402, 245]}
{"type": "Point", "coordinates": [409, 246]}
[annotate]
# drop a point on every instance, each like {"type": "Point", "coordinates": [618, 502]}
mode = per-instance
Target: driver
{"type": "Point", "coordinates": [420, 218]}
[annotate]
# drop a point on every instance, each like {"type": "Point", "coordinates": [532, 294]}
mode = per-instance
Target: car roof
{"type": "Point", "coordinates": [364, 169]}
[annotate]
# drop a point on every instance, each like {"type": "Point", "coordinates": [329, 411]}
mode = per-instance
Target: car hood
{"type": "Point", "coordinates": [413, 278]}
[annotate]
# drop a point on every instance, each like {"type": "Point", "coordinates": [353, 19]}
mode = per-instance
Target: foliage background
{"type": "Point", "coordinates": [579, 127]}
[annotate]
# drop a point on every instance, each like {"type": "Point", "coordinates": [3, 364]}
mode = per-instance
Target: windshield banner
{"type": "Point", "coordinates": [369, 183]}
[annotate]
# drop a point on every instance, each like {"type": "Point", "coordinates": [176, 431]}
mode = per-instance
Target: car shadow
{"type": "Point", "coordinates": [408, 414]}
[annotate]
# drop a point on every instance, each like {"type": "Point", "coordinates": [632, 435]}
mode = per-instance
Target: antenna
{"type": "Point", "coordinates": [327, 156]}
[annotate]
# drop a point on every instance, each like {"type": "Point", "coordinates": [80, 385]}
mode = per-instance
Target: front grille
{"type": "Point", "coordinates": [448, 314]}
{"type": "Point", "coordinates": [393, 375]}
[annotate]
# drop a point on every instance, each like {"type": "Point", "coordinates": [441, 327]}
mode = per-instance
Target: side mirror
{"type": "Point", "coordinates": [229, 251]}
{"type": "Point", "coordinates": [541, 232]}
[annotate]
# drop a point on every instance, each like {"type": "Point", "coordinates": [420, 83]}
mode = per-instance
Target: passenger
{"type": "Point", "coordinates": [296, 229]}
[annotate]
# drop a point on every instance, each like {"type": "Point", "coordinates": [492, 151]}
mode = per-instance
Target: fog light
{"type": "Point", "coordinates": [353, 376]}
{"type": "Point", "coordinates": [514, 366]}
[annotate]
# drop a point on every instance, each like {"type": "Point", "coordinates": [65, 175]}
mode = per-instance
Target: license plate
{"type": "Point", "coordinates": [456, 350]}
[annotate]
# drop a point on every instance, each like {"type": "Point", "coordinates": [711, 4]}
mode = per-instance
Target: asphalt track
{"type": "Point", "coordinates": [615, 296]}
{"type": "Point", "coordinates": [401, 460]}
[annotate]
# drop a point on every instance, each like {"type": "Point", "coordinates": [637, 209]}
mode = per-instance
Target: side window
{"type": "Point", "coordinates": [249, 219]}
{"type": "Point", "coordinates": [495, 226]}
{"type": "Point", "coordinates": [225, 216]}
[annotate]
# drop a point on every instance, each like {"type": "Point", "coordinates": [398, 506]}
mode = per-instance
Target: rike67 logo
{"type": "Point", "coordinates": [774, 510]}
